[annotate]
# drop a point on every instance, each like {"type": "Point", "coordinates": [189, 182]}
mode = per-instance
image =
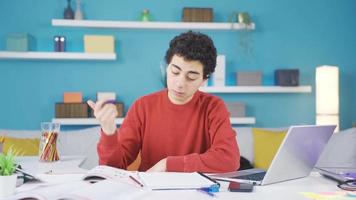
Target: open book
{"type": "Point", "coordinates": [153, 180]}
{"type": "Point", "coordinates": [104, 182]}
{"type": "Point", "coordinates": [101, 182]}
{"type": "Point", "coordinates": [106, 189]}
{"type": "Point", "coordinates": [175, 181]}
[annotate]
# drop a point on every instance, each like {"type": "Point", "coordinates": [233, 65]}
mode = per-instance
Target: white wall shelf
{"type": "Point", "coordinates": [151, 25]}
{"type": "Point", "coordinates": [257, 89]}
{"type": "Point", "coordinates": [242, 120]}
{"type": "Point", "coordinates": [82, 121]}
{"type": "Point", "coordinates": [93, 121]}
{"type": "Point", "coordinates": [32, 55]}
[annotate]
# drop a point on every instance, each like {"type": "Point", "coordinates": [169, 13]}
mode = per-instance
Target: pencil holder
{"type": "Point", "coordinates": [48, 144]}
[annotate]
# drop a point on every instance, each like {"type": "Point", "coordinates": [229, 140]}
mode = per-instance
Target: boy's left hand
{"type": "Point", "coordinates": [161, 166]}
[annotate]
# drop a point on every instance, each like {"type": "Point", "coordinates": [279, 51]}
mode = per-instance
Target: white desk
{"type": "Point", "coordinates": [33, 166]}
{"type": "Point", "coordinates": [290, 190]}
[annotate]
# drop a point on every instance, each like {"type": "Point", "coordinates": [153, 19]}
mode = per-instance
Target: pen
{"type": "Point", "coordinates": [136, 181]}
{"type": "Point", "coordinates": [214, 181]}
{"type": "Point", "coordinates": [206, 191]}
{"type": "Point", "coordinates": [109, 101]}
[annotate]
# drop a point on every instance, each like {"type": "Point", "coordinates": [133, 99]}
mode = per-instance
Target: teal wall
{"type": "Point", "coordinates": [289, 34]}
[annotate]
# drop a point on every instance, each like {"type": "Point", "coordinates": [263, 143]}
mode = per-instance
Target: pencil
{"type": "Point", "coordinates": [212, 180]}
{"type": "Point", "coordinates": [136, 181]}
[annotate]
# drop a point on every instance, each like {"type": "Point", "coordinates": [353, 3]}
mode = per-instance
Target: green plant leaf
{"type": "Point", "coordinates": [8, 163]}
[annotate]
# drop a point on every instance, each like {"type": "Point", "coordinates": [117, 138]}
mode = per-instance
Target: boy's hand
{"type": "Point", "coordinates": [106, 114]}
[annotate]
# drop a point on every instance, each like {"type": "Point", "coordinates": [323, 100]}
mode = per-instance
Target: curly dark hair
{"type": "Point", "coordinates": [194, 46]}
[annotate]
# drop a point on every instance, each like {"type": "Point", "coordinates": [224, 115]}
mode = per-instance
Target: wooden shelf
{"type": "Point", "coordinates": [93, 121]}
{"type": "Point", "coordinates": [257, 89]}
{"type": "Point", "coordinates": [151, 25]}
{"type": "Point", "coordinates": [32, 55]}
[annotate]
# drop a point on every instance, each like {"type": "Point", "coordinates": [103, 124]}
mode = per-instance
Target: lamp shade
{"type": "Point", "coordinates": [327, 95]}
{"type": "Point", "coordinates": [327, 90]}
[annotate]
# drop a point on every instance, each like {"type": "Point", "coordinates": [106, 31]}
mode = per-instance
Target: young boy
{"type": "Point", "coordinates": [176, 129]}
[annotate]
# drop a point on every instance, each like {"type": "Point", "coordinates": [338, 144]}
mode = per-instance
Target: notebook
{"type": "Point", "coordinates": [295, 158]}
{"type": "Point", "coordinates": [174, 180]}
{"type": "Point", "coordinates": [338, 174]}
{"type": "Point", "coordinates": [150, 180]}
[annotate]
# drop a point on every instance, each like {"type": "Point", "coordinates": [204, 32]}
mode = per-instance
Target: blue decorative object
{"type": "Point", "coordinates": [68, 12]}
{"type": "Point", "coordinates": [145, 15]}
{"type": "Point", "coordinates": [20, 42]}
{"type": "Point", "coordinates": [59, 43]}
{"type": "Point", "coordinates": [286, 77]}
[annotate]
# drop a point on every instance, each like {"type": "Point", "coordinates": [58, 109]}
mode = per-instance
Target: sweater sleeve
{"type": "Point", "coordinates": [121, 149]}
{"type": "Point", "coordinates": [223, 154]}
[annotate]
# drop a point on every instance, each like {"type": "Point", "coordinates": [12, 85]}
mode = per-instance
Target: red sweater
{"type": "Point", "coordinates": [196, 136]}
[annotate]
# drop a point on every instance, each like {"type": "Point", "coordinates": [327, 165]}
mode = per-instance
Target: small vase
{"type": "Point", "coordinates": [78, 12]}
{"type": "Point", "coordinates": [244, 18]}
{"type": "Point", "coordinates": [7, 185]}
{"type": "Point", "coordinates": [68, 12]}
{"type": "Point", "coordinates": [145, 15]}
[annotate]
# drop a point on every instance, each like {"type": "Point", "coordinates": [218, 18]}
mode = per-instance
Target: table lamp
{"type": "Point", "coordinates": [327, 95]}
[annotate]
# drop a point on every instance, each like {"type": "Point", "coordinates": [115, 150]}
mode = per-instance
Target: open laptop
{"type": "Point", "coordinates": [295, 158]}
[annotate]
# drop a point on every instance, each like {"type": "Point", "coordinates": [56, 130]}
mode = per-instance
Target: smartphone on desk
{"type": "Point", "coordinates": [240, 187]}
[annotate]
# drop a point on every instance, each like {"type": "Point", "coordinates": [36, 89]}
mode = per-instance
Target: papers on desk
{"type": "Point", "coordinates": [104, 182]}
{"type": "Point", "coordinates": [106, 189]}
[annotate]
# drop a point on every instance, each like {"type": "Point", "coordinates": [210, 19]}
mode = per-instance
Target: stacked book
{"type": "Point", "coordinates": [197, 15]}
{"type": "Point", "coordinates": [74, 107]}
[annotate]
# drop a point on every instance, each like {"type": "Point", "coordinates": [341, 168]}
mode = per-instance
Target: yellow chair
{"type": "Point", "coordinates": [266, 144]}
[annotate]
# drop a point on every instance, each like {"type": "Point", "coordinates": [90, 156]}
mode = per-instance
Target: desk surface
{"type": "Point", "coordinates": [290, 190]}
{"type": "Point", "coordinates": [33, 166]}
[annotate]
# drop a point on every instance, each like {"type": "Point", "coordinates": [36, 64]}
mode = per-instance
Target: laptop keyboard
{"type": "Point", "coordinates": [254, 177]}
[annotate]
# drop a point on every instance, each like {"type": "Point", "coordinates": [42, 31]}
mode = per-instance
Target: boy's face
{"type": "Point", "coordinates": [183, 79]}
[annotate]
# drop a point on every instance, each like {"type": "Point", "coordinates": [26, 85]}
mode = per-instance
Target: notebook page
{"type": "Point", "coordinates": [51, 191]}
{"type": "Point", "coordinates": [173, 180]}
{"type": "Point", "coordinates": [108, 190]}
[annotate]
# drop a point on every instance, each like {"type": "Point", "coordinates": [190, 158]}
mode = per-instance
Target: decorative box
{"type": "Point", "coordinates": [72, 110]}
{"type": "Point", "coordinates": [236, 109]}
{"type": "Point", "coordinates": [20, 42]}
{"type": "Point", "coordinates": [59, 43]}
{"type": "Point", "coordinates": [218, 77]}
{"type": "Point", "coordinates": [99, 43]}
{"type": "Point", "coordinates": [105, 96]}
{"type": "Point", "coordinates": [286, 77]}
{"type": "Point", "coordinates": [249, 78]}
{"type": "Point", "coordinates": [197, 15]}
{"type": "Point", "coordinates": [72, 97]}
{"type": "Point", "coordinates": [119, 107]}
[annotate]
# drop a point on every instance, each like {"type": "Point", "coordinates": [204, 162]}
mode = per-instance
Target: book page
{"type": "Point", "coordinates": [103, 172]}
{"type": "Point", "coordinates": [108, 190]}
{"type": "Point", "coordinates": [106, 172]}
{"type": "Point", "coordinates": [173, 180]}
{"type": "Point", "coordinates": [51, 191]}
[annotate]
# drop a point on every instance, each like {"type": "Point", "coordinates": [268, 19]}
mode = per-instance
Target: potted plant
{"type": "Point", "coordinates": [245, 39]}
{"type": "Point", "coordinates": [8, 177]}
{"type": "Point", "coordinates": [244, 19]}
